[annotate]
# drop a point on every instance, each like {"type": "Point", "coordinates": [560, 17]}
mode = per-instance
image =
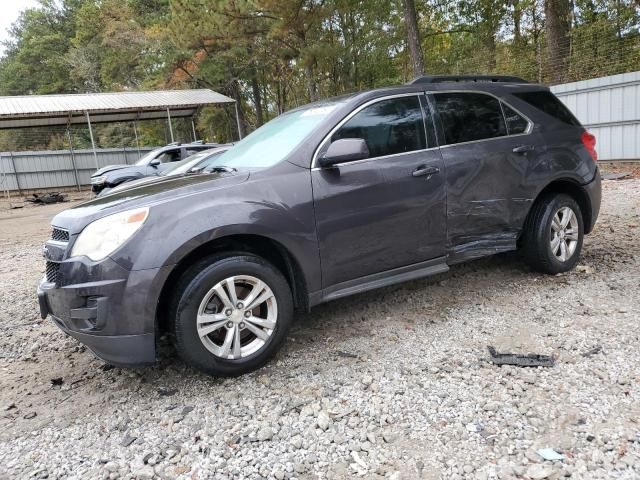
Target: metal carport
{"type": "Point", "coordinates": [43, 110]}
{"type": "Point", "coordinates": [48, 110]}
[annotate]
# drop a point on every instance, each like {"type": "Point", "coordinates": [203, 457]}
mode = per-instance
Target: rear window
{"type": "Point", "coordinates": [549, 104]}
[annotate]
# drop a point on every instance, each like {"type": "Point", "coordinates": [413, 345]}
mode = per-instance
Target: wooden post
{"type": "Point", "coordinates": [93, 143]}
{"type": "Point", "coordinates": [73, 158]}
{"type": "Point", "coordinates": [5, 181]}
{"type": "Point", "coordinates": [170, 126]}
{"type": "Point", "coordinates": [238, 121]}
{"type": "Point", "coordinates": [15, 173]}
{"type": "Point", "coordinates": [135, 131]}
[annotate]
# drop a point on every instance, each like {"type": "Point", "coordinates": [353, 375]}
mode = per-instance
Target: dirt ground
{"type": "Point", "coordinates": [400, 374]}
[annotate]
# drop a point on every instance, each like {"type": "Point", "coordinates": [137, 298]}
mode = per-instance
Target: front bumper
{"type": "Point", "coordinates": [113, 316]}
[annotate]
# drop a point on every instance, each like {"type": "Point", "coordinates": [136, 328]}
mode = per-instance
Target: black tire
{"type": "Point", "coordinates": [191, 290]}
{"type": "Point", "coordinates": [536, 237]}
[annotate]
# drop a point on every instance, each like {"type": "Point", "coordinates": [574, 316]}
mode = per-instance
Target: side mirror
{"type": "Point", "coordinates": [154, 163]}
{"type": "Point", "coordinates": [344, 150]}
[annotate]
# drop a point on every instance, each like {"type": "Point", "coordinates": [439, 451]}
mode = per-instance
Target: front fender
{"type": "Point", "coordinates": [277, 207]}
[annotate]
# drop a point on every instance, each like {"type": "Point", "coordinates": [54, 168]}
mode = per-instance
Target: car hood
{"type": "Point", "coordinates": [149, 194]}
{"type": "Point", "coordinates": [107, 169]}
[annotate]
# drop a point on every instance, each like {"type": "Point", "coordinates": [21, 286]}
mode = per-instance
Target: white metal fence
{"type": "Point", "coordinates": [58, 168]}
{"type": "Point", "coordinates": [609, 107]}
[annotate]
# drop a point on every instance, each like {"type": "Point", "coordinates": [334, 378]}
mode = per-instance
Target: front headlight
{"type": "Point", "coordinates": [102, 237]}
{"type": "Point", "coordinates": [99, 180]}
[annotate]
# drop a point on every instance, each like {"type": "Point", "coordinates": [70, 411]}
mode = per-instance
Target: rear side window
{"type": "Point", "coordinates": [388, 127]}
{"type": "Point", "coordinates": [516, 123]}
{"type": "Point", "coordinates": [467, 117]}
{"type": "Point", "coordinates": [549, 104]}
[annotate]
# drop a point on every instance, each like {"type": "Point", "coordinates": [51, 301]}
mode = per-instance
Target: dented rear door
{"type": "Point", "coordinates": [487, 179]}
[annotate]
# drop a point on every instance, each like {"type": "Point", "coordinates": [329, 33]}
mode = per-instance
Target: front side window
{"type": "Point", "coordinates": [516, 123]}
{"type": "Point", "coordinates": [388, 127]}
{"type": "Point", "coordinates": [168, 157]}
{"type": "Point", "coordinates": [467, 117]}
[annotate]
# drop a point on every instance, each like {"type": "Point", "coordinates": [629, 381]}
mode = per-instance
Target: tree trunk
{"type": "Point", "coordinates": [557, 28]}
{"type": "Point", "coordinates": [413, 37]}
{"type": "Point", "coordinates": [311, 82]}
{"type": "Point", "coordinates": [257, 99]}
{"type": "Point", "coordinates": [242, 122]}
{"type": "Point", "coordinates": [517, 23]}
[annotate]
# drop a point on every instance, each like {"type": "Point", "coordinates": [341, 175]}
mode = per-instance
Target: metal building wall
{"type": "Point", "coordinates": [58, 168]}
{"type": "Point", "coordinates": [609, 107]}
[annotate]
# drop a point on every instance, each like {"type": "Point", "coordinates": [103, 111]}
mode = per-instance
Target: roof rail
{"type": "Point", "coordinates": [466, 78]}
{"type": "Point", "coordinates": [173, 144]}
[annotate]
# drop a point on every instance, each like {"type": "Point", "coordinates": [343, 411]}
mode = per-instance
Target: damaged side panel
{"type": "Point", "coordinates": [482, 247]}
{"type": "Point", "coordinates": [491, 188]}
{"type": "Point", "coordinates": [489, 192]}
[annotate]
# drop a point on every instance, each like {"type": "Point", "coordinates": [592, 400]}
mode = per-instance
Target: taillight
{"type": "Point", "coordinates": [589, 142]}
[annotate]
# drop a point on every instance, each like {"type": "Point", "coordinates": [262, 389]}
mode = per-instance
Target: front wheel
{"type": "Point", "coordinates": [231, 314]}
{"type": "Point", "coordinates": [553, 234]}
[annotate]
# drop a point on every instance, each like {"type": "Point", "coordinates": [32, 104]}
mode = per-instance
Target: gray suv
{"type": "Point", "coordinates": [328, 200]}
{"type": "Point", "coordinates": [152, 164]}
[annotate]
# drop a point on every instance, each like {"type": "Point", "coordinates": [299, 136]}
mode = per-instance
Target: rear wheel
{"type": "Point", "coordinates": [553, 234]}
{"type": "Point", "coordinates": [231, 314]}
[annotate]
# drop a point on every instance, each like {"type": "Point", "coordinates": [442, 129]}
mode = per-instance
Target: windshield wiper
{"type": "Point", "coordinates": [222, 169]}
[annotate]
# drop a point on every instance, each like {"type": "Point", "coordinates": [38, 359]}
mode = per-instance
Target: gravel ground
{"type": "Point", "coordinates": [390, 384]}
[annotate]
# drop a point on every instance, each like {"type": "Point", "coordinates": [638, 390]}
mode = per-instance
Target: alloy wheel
{"type": "Point", "coordinates": [564, 234]}
{"type": "Point", "coordinates": [237, 317]}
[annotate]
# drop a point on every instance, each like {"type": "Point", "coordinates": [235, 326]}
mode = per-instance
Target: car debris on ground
{"type": "Point", "coordinates": [46, 199]}
{"type": "Point", "coordinates": [520, 360]}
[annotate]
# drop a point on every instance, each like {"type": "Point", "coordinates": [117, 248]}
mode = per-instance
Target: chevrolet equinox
{"type": "Point", "coordinates": [328, 200]}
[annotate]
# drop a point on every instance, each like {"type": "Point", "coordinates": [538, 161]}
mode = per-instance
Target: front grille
{"type": "Point", "coordinates": [59, 235]}
{"type": "Point", "coordinates": [52, 272]}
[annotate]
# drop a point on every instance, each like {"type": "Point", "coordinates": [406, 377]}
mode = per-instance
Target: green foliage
{"type": "Point", "coordinates": [34, 62]}
{"type": "Point", "coordinates": [273, 55]}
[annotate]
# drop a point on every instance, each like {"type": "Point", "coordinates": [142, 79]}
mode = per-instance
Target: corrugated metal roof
{"type": "Point", "coordinates": [41, 110]}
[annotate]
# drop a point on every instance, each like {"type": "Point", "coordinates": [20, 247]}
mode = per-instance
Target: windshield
{"type": "Point", "coordinates": [148, 157]}
{"type": "Point", "coordinates": [275, 140]}
{"type": "Point", "coordinates": [199, 160]}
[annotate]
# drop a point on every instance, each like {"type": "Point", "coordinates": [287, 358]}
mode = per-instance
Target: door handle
{"type": "Point", "coordinates": [523, 149]}
{"type": "Point", "coordinates": [424, 170]}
